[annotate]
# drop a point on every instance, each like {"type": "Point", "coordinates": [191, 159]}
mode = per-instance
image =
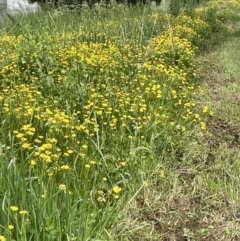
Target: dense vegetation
{"type": "Point", "coordinates": [94, 108]}
{"type": "Point", "coordinates": [175, 4]}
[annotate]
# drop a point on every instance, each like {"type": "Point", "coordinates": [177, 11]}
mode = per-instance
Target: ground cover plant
{"type": "Point", "coordinates": [96, 110]}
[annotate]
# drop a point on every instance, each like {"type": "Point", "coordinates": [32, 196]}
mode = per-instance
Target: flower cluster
{"type": "Point", "coordinates": [78, 116]}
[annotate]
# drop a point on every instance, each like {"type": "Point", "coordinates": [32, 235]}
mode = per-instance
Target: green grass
{"type": "Point", "coordinates": [103, 125]}
{"type": "Point", "coordinates": [223, 65]}
{"type": "Point", "coordinates": [198, 198]}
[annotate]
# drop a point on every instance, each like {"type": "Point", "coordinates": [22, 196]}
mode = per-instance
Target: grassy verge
{"type": "Point", "coordinates": [103, 129]}
{"type": "Point", "coordinates": [198, 196]}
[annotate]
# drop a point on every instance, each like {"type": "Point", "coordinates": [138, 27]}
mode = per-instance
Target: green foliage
{"type": "Point", "coordinates": [175, 7]}
{"type": "Point", "coordinates": [90, 104]}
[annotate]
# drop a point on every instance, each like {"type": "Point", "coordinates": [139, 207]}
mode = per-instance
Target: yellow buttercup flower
{"type": "Point", "coordinates": [10, 227]}
{"type": "Point", "coordinates": [84, 146]}
{"type": "Point", "coordinates": [2, 238]}
{"type": "Point", "coordinates": [33, 163]}
{"type": "Point", "coordinates": [14, 208]}
{"type": "Point", "coordinates": [117, 189]}
{"type": "Point", "coordinates": [62, 187]}
{"type": "Point", "coordinates": [65, 167]}
{"type": "Point", "coordinates": [116, 196]}
{"type": "Point", "coordinates": [23, 212]}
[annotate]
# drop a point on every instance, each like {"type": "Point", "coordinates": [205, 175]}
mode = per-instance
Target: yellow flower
{"type": "Point", "coordinates": [36, 153]}
{"type": "Point", "coordinates": [30, 133]}
{"type": "Point", "coordinates": [53, 140]}
{"type": "Point", "coordinates": [33, 163]}
{"type": "Point", "coordinates": [10, 227]}
{"type": "Point", "coordinates": [23, 212]}
{"type": "Point", "coordinates": [116, 196]}
{"type": "Point", "coordinates": [82, 155]}
{"type": "Point", "coordinates": [197, 116]}
{"type": "Point", "coordinates": [117, 189]}
{"type": "Point", "coordinates": [84, 146]}
{"type": "Point", "coordinates": [123, 164]}
{"type": "Point", "coordinates": [64, 167]}
{"type": "Point", "coordinates": [162, 174]}
{"type": "Point", "coordinates": [14, 208]}
{"type": "Point", "coordinates": [50, 174]}
{"type": "Point", "coordinates": [87, 166]}
{"type": "Point", "coordinates": [41, 148]}
{"type": "Point", "coordinates": [205, 109]}
{"type": "Point", "coordinates": [100, 192]}
{"type": "Point", "coordinates": [26, 146]}
{"type": "Point", "coordinates": [37, 141]}
{"type": "Point", "coordinates": [2, 238]}
{"type": "Point", "coordinates": [62, 187]}
{"type": "Point", "coordinates": [104, 179]}
{"type": "Point", "coordinates": [20, 135]}
{"type": "Point", "coordinates": [203, 125]}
